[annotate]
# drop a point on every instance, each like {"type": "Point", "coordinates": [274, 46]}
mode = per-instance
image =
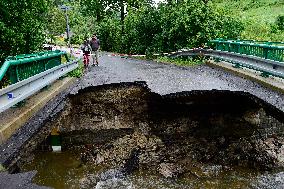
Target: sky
{"type": "Point", "coordinates": [157, 1]}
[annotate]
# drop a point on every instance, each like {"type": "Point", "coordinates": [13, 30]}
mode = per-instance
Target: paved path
{"type": "Point", "coordinates": [165, 78]}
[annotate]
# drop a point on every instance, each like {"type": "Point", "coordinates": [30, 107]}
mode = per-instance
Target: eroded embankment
{"type": "Point", "coordinates": [126, 125]}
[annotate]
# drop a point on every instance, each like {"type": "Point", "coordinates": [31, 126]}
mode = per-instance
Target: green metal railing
{"type": "Point", "coordinates": [249, 47]}
{"type": "Point", "coordinates": [20, 67]}
{"type": "Point", "coordinates": [253, 41]}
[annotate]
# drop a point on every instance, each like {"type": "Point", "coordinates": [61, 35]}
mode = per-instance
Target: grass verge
{"type": "Point", "coordinates": [78, 72]}
{"type": "Point", "coordinates": [182, 61]}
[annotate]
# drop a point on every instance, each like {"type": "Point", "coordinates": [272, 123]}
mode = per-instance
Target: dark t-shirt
{"type": "Point", "coordinates": [95, 44]}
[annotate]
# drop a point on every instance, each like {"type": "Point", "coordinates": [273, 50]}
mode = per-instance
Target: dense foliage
{"type": "Point", "coordinates": [21, 26]}
{"type": "Point", "coordinates": [280, 23]}
{"type": "Point", "coordinates": [137, 26]}
{"type": "Point", "coordinates": [168, 27]}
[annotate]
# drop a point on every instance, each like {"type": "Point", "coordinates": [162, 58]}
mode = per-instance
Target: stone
{"type": "Point", "coordinates": [170, 170]}
{"type": "Point", "coordinates": [212, 170]}
{"type": "Point", "coordinates": [123, 148]}
{"type": "Point", "coordinates": [274, 149]}
{"type": "Point", "coordinates": [253, 117]}
{"type": "Point", "coordinates": [99, 159]}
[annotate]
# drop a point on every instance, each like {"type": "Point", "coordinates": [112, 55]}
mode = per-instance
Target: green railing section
{"type": "Point", "coordinates": [20, 67]}
{"type": "Point", "coordinates": [267, 50]}
{"type": "Point", "coordinates": [253, 41]}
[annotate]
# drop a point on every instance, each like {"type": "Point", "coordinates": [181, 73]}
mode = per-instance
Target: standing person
{"type": "Point", "coordinates": [87, 49]}
{"type": "Point", "coordinates": [95, 44]}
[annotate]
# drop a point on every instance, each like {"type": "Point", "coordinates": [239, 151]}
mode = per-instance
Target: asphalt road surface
{"type": "Point", "coordinates": [167, 78]}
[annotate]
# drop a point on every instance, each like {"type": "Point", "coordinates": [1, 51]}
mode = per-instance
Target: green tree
{"type": "Point", "coordinates": [168, 27]}
{"type": "Point", "coordinates": [142, 29]}
{"type": "Point", "coordinates": [193, 23]}
{"type": "Point", "coordinates": [101, 8]}
{"type": "Point", "coordinates": [94, 8]}
{"type": "Point", "coordinates": [109, 31]}
{"type": "Point", "coordinates": [82, 26]}
{"type": "Point", "coordinates": [21, 26]}
{"type": "Point", "coordinates": [56, 22]}
{"type": "Point", "coordinates": [280, 22]}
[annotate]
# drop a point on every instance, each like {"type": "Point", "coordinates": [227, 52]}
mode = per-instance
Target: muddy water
{"type": "Point", "coordinates": [64, 170]}
{"type": "Point", "coordinates": [58, 170]}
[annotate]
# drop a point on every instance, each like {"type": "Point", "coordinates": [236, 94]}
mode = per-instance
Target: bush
{"type": "Point", "coordinates": [78, 72]}
{"type": "Point", "coordinates": [142, 28]}
{"type": "Point", "coordinates": [21, 26]}
{"type": "Point", "coordinates": [280, 22]}
{"type": "Point", "coordinates": [167, 28]}
{"type": "Point", "coordinates": [109, 33]}
{"type": "Point", "coordinates": [193, 23]}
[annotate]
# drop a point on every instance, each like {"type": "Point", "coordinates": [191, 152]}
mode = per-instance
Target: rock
{"type": "Point", "coordinates": [111, 173]}
{"type": "Point", "coordinates": [274, 150]}
{"type": "Point", "coordinates": [99, 159]}
{"type": "Point", "coordinates": [143, 128]}
{"type": "Point", "coordinates": [89, 181]}
{"type": "Point", "coordinates": [212, 170]}
{"type": "Point", "coordinates": [105, 179]}
{"type": "Point", "coordinates": [132, 163]}
{"type": "Point", "coordinates": [275, 181]}
{"type": "Point", "coordinates": [170, 170]}
{"type": "Point", "coordinates": [125, 151]}
{"type": "Point", "coordinates": [254, 117]}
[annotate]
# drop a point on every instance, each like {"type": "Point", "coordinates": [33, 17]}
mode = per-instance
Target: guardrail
{"type": "Point", "coordinates": [253, 41]}
{"type": "Point", "coordinates": [20, 67]}
{"type": "Point", "coordinates": [266, 51]}
{"type": "Point", "coordinates": [19, 91]}
{"type": "Point", "coordinates": [265, 66]}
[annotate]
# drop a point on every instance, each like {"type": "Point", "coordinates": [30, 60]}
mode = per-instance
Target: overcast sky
{"type": "Point", "coordinates": [157, 1]}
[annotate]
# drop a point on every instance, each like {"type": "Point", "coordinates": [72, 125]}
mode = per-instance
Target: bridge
{"type": "Point", "coordinates": [161, 78]}
{"type": "Point", "coordinates": [26, 74]}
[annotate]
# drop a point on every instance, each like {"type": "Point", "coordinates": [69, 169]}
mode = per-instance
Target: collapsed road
{"type": "Point", "coordinates": [160, 78]}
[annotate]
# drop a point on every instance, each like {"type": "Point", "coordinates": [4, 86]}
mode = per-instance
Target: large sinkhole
{"type": "Point", "coordinates": [125, 136]}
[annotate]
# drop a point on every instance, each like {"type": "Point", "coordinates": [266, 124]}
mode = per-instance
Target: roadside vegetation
{"type": "Point", "coordinates": [182, 61]}
{"type": "Point", "coordinates": [137, 26]}
{"type": "Point", "coordinates": [78, 72]}
{"type": "Point", "coordinates": [4, 82]}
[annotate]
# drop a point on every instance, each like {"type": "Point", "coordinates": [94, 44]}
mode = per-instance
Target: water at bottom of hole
{"type": "Point", "coordinates": [64, 170]}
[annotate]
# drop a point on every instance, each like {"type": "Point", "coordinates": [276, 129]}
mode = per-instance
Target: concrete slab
{"type": "Point", "coordinates": [13, 118]}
